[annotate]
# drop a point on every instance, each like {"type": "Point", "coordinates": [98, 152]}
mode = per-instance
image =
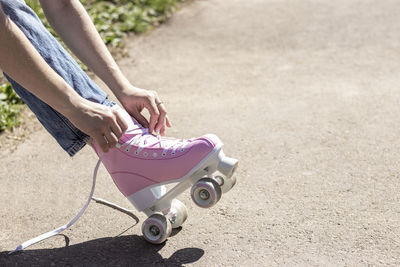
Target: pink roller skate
{"type": "Point", "coordinates": [143, 163]}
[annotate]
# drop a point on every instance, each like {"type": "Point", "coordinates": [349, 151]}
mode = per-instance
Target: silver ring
{"type": "Point", "coordinates": [159, 103]}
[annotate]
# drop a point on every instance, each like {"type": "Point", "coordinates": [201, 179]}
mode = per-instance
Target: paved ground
{"type": "Point", "coordinates": [304, 93]}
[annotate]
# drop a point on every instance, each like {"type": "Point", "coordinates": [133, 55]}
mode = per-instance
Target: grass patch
{"type": "Point", "coordinates": [10, 105]}
{"type": "Point", "coordinates": [115, 19]}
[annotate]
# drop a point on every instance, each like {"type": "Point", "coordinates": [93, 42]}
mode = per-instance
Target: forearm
{"type": "Point", "coordinates": [23, 63]}
{"type": "Point", "coordinates": [72, 23]}
{"type": "Point", "coordinates": [74, 26]}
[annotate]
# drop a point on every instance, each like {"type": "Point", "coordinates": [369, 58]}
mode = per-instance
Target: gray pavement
{"type": "Point", "coordinates": [304, 93]}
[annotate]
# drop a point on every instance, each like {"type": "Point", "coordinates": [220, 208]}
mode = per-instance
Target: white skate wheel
{"type": "Point", "coordinates": [178, 213]}
{"type": "Point", "coordinates": [206, 192]}
{"type": "Point", "coordinates": [156, 229]}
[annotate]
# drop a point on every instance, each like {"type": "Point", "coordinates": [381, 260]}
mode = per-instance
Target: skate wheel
{"type": "Point", "coordinates": [178, 214]}
{"type": "Point", "coordinates": [206, 192]}
{"type": "Point", "coordinates": [225, 183]}
{"type": "Point", "coordinates": [156, 229]}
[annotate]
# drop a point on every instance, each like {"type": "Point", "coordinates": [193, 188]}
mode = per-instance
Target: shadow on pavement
{"type": "Point", "coordinates": [120, 250]}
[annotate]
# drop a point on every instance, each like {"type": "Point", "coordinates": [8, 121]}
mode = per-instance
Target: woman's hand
{"type": "Point", "coordinates": [102, 123]}
{"type": "Point", "coordinates": [74, 26]}
{"type": "Point", "coordinates": [135, 100]}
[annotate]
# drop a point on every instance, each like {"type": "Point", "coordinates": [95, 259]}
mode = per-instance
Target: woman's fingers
{"type": "Point", "coordinates": [101, 141]}
{"type": "Point", "coordinates": [161, 119]}
{"type": "Point", "coordinates": [121, 123]}
{"type": "Point", "coordinates": [154, 114]}
{"type": "Point", "coordinates": [157, 115]}
{"type": "Point", "coordinates": [168, 122]}
{"type": "Point", "coordinates": [116, 130]}
{"type": "Point", "coordinates": [112, 140]}
{"type": "Point", "coordinates": [162, 131]}
{"type": "Point", "coordinates": [141, 119]}
{"type": "Point", "coordinates": [135, 99]}
{"type": "Point", "coordinates": [113, 127]}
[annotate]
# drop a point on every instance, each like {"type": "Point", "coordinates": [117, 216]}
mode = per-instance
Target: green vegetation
{"type": "Point", "coordinates": [114, 19]}
{"type": "Point", "coordinates": [10, 104]}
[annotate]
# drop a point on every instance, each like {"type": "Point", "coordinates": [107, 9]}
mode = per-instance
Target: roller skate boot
{"type": "Point", "coordinates": [142, 164]}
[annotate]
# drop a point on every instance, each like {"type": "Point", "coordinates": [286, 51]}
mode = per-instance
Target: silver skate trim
{"type": "Point", "coordinates": [144, 201]}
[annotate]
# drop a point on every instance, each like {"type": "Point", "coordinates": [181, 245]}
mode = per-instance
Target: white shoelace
{"type": "Point", "coordinates": [66, 226]}
{"type": "Point", "coordinates": [143, 139]}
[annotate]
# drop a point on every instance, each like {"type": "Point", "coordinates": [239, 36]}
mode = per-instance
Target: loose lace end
{"type": "Point", "coordinates": [66, 226]}
{"type": "Point", "coordinates": [20, 247]}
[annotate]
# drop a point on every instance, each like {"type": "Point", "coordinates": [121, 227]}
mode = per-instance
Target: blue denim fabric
{"type": "Point", "coordinates": [67, 135]}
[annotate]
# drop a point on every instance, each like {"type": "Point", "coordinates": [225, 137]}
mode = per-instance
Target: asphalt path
{"type": "Point", "coordinates": [304, 93]}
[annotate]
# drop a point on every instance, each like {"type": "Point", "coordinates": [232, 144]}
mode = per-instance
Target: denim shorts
{"type": "Point", "coordinates": [67, 135]}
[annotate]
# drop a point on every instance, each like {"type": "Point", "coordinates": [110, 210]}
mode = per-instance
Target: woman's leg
{"type": "Point", "coordinates": [67, 135]}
